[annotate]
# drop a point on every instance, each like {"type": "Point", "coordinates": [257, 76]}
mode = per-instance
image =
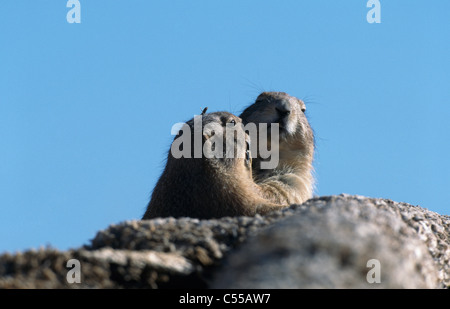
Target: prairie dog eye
{"type": "Point", "coordinates": [232, 121]}
{"type": "Point", "coordinates": [303, 109]}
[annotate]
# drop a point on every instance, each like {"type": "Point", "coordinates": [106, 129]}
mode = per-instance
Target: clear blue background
{"type": "Point", "coordinates": [86, 109]}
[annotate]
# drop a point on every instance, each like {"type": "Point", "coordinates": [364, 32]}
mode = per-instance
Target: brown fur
{"type": "Point", "coordinates": [292, 180]}
{"type": "Point", "coordinates": [208, 187]}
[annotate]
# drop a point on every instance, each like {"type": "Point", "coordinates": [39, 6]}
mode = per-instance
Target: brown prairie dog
{"type": "Point", "coordinates": [292, 181]}
{"type": "Point", "coordinates": [209, 187]}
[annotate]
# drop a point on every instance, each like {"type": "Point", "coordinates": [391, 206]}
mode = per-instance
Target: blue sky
{"type": "Point", "coordinates": [86, 109]}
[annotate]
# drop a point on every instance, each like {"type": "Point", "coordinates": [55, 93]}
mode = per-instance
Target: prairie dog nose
{"type": "Point", "coordinates": [283, 108]}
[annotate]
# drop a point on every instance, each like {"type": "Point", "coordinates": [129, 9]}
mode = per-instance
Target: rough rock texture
{"type": "Point", "coordinates": [330, 247]}
{"type": "Point", "coordinates": [325, 242]}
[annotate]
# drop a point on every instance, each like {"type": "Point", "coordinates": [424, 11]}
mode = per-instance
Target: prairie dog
{"type": "Point", "coordinates": [292, 181]}
{"type": "Point", "coordinates": [209, 187]}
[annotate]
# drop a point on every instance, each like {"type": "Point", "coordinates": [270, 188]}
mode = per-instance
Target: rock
{"type": "Point", "coordinates": [104, 268]}
{"type": "Point", "coordinates": [331, 248]}
{"type": "Point", "coordinates": [325, 242]}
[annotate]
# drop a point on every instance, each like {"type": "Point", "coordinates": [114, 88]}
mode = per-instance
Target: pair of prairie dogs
{"type": "Point", "coordinates": [217, 187]}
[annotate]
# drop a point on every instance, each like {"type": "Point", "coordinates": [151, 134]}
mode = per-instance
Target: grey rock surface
{"type": "Point", "coordinates": [330, 248]}
{"type": "Point", "coordinates": [325, 242]}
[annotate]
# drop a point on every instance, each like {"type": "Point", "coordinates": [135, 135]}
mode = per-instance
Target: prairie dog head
{"type": "Point", "coordinates": [225, 140]}
{"type": "Point", "coordinates": [218, 139]}
{"type": "Point", "coordinates": [288, 112]}
{"type": "Point", "coordinates": [296, 135]}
